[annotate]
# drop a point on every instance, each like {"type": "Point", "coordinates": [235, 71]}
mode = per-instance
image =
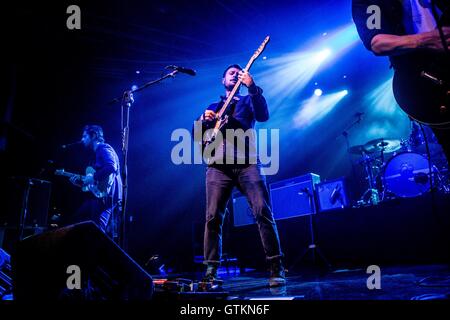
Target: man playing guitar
{"type": "Point", "coordinates": [103, 205]}
{"type": "Point", "coordinates": [415, 35]}
{"type": "Point", "coordinates": [221, 176]}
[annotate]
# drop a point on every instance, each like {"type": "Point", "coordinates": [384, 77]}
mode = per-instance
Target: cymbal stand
{"type": "Point", "coordinates": [374, 195]}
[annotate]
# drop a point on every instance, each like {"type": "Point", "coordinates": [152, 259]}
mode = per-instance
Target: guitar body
{"type": "Point", "coordinates": [422, 98]}
{"type": "Point", "coordinates": [100, 189]}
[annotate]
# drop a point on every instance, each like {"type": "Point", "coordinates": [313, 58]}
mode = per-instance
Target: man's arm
{"type": "Point", "coordinates": [259, 103]}
{"type": "Point", "coordinates": [389, 45]}
{"type": "Point", "coordinates": [107, 163]}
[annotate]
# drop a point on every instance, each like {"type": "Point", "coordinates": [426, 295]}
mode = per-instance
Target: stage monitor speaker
{"type": "Point", "coordinates": [294, 197]}
{"type": "Point", "coordinates": [46, 266]}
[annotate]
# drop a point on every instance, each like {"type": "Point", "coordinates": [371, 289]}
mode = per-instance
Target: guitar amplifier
{"type": "Point", "coordinates": [332, 195]}
{"type": "Point", "coordinates": [294, 197]}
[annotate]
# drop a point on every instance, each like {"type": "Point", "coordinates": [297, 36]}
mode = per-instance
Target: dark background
{"type": "Point", "coordinates": [57, 80]}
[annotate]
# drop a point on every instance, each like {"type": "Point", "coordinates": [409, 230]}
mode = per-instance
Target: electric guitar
{"type": "Point", "coordinates": [99, 189]}
{"type": "Point", "coordinates": [421, 85]}
{"type": "Point", "coordinates": [221, 116]}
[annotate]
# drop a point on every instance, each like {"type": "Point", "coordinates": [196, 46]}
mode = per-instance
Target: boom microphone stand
{"type": "Point", "coordinates": [126, 102]}
{"type": "Point", "coordinates": [345, 133]}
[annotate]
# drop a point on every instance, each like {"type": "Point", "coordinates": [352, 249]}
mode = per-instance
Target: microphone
{"type": "Point", "coordinates": [190, 72]}
{"type": "Point", "coordinates": [65, 146]}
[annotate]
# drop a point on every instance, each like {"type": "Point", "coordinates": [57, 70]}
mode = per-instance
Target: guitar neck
{"type": "Point", "coordinates": [235, 89]}
{"type": "Point", "coordinates": [67, 174]}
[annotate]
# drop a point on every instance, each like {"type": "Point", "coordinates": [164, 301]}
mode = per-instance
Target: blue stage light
{"type": "Point", "coordinates": [315, 108]}
{"type": "Point", "coordinates": [318, 92]}
{"type": "Point", "coordinates": [322, 55]}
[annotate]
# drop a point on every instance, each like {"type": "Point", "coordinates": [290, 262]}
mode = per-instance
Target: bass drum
{"type": "Point", "coordinates": [407, 175]}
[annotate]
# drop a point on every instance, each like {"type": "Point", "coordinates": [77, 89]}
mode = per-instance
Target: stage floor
{"type": "Point", "coordinates": [412, 282]}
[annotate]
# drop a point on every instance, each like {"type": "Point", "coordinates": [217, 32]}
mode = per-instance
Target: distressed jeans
{"type": "Point", "coordinates": [220, 180]}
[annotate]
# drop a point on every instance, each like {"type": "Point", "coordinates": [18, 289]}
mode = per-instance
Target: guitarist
{"type": "Point", "coordinates": [222, 176]}
{"type": "Point", "coordinates": [106, 165]}
{"type": "Point", "coordinates": [408, 34]}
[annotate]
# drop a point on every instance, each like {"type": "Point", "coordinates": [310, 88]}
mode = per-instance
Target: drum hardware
{"type": "Point", "coordinates": [373, 160]}
{"type": "Point", "coordinates": [371, 196]}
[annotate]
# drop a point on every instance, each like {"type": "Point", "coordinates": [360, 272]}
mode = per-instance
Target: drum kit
{"type": "Point", "coordinates": [400, 168]}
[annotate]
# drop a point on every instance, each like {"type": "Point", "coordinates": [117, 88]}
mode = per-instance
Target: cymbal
{"type": "Point", "coordinates": [358, 149]}
{"type": "Point", "coordinates": [385, 145]}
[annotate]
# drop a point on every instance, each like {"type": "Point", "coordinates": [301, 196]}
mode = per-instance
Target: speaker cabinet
{"type": "Point", "coordinates": [294, 197]}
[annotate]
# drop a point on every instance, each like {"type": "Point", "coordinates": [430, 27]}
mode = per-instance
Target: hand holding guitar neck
{"type": "Point", "coordinates": [246, 78]}
{"type": "Point", "coordinates": [243, 77]}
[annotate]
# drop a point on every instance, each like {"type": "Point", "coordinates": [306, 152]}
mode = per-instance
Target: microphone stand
{"type": "Point", "coordinates": [126, 102]}
{"type": "Point", "coordinates": [345, 134]}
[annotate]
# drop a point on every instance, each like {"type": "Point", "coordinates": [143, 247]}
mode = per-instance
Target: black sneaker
{"type": "Point", "coordinates": [277, 274]}
{"type": "Point", "coordinates": [211, 274]}
{"type": "Point", "coordinates": [210, 281]}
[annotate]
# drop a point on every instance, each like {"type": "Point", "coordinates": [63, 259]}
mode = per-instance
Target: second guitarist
{"type": "Point", "coordinates": [103, 211]}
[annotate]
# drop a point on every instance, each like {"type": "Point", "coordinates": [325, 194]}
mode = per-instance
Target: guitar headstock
{"type": "Point", "coordinates": [261, 48]}
{"type": "Point", "coordinates": [59, 172]}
